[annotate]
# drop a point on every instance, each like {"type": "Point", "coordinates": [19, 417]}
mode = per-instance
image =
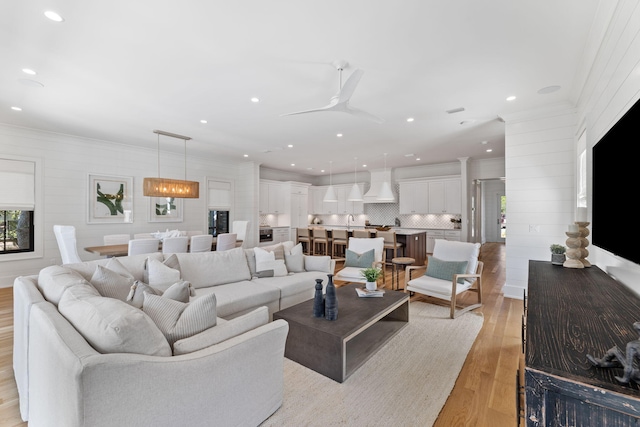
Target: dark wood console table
{"type": "Point", "coordinates": [571, 313]}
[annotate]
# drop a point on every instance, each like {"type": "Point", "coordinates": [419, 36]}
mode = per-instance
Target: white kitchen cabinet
{"type": "Point", "coordinates": [319, 207]}
{"type": "Point", "coordinates": [299, 206]}
{"type": "Point", "coordinates": [414, 197]}
{"type": "Point", "coordinates": [452, 235]}
{"type": "Point", "coordinates": [280, 234]}
{"type": "Point", "coordinates": [272, 197]}
{"type": "Point", "coordinates": [445, 196]}
{"type": "Point", "coordinates": [432, 235]}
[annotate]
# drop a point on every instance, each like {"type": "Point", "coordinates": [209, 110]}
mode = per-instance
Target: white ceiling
{"type": "Point", "coordinates": [116, 70]}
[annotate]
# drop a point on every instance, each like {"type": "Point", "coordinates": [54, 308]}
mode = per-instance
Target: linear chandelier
{"type": "Point", "coordinates": [167, 187]}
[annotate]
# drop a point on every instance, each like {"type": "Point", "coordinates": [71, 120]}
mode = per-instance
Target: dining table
{"type": "Point", "coordinates": [123, 249]}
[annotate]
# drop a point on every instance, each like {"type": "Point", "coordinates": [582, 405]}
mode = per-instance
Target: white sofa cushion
{"type": "Point", "coordinates": [111, 325]}
{"type": "Point", "coordinates": [179, 320]}
{"type": "Point", "coordinates": [55, 279]}
{"type": "Point", "coordinates": [266, 261]}
{"type": "Point", "coordinates": [294, 259]}
{"type": "Point", "coordinates": [161, 276]}
{"type": "Point", "coordinates": [214, 268]}
{"type": "Point", "coordinates": [135, 264]}
{"type": "Point", "coordinates": [112, 284]}
{"type": "Point", "coordinates": [318, 263]}
{"type": "Point", "coordinates": [222, 332]}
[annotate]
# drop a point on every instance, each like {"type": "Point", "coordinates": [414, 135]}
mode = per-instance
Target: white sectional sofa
{"type": "Point", "coordinates": [227, 374]}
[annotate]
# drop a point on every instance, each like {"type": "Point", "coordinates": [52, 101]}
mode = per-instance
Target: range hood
{"type": "Point", "coordinates": [377, 179]}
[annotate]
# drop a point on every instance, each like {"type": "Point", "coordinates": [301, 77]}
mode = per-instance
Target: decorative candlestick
{"type": "Point", "coordinates": [574, 252]}
{"type": "Point", "coordinates": [584, 242]}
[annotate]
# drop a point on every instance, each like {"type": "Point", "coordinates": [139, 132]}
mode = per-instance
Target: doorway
{"type": "Point", "coordinates": [489, 211]}
{"type": "Point", "coordinates": [502, 220]}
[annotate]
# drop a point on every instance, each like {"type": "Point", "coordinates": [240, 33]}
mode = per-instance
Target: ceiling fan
{"type": "Point", "coordinates": [340, 101]}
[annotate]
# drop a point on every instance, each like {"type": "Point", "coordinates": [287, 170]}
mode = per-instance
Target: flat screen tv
{"type": "Point", "coordinates": [615, 181]}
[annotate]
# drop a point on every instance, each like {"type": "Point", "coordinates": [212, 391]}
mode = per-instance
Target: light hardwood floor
{"type": "Point", "coordinates": [484, 393]}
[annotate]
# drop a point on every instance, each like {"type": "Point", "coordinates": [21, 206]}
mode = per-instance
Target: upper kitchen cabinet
{"type": "Point", "coordinates": [273, 197]}
{"type": "Point", "coordinates": [445, 196]}
{"type": "Point", "coordinates": [414, 197]}
{"type": "Point", "coordinates": [317, 206]}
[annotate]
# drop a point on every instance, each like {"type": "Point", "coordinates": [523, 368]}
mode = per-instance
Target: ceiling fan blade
{"type": "Point", "coordinates": [363, 114]}
{"type": "Point", "coordinates": [350, 86]}
{"type": "Point", "coordinates": [315, 110]}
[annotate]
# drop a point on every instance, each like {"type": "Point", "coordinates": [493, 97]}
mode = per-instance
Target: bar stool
{"type": "Point", "coordinates": [399, 263]}
{"type": "Point", "coordinates": [391, 243]}
{"type": "Point", "coordinates": [321, 242]}
{"type": "Point", "coordinates": [361, 234]}
{"type": "Point", "coordinates": [340, 239]}
{"type": "Point", "coordinates": [304, 236]}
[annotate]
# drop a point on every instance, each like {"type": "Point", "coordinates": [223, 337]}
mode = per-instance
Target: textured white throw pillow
{"type": "Point", "coordinates": [110, 325]}
{"type": "Point", "coordinates": [222, 331]}
{"type": "Point", "coordinates": [266, 260]}
{"type": "Point", "coordinates": [161, 276]}
{"type": "Point", "coordinates": [111, 284]}
{"type": "Point", "coordinates": [179, 320]}
{"type": "Point", "coordinates": [294, 259]}
{"type": "Point", "coordinates": [318, 263]}
{"type": "Point", "coordinates": [179, 291]}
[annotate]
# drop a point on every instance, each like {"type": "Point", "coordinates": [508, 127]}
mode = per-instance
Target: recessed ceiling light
{"type": "Point", "coordinates": [548, 89]}
{"type": "Point", "coordinates": [511, 98]}
{"type": "Point", "coordinates": [339, 135]}
{"type": "Point", "coordinates": [16, 108]}
{"type": "Point", "coordinates": [410, 119]}
{"type": "Point", "coordinates": [484, 142]}
{"type": "Point", "coordinates": [254, 99]}
{"type": "Point", "coordinates": [364, 166]}
{"type": "Point", "coordinates": [53, 16]}
{"type": "Point", "coordinates": [203, 121]}
{"type": "Point", "coordinates": [29, 71]}
{"type": "Point", "coordinates": [246, 155]}
{"type": "Point", "coordinates": [293, 164]}
{"type": "Point", "coordinates": [489, 150]}
{"type": "Point", "coordinates": [322, 170]}
{"type": "Point", "coordinates": [290, 145]}
{"type": "Point", "coordinates": [417, 159]}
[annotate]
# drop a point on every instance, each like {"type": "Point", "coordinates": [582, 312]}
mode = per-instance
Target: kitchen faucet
{"type": "Point", "coordinates": [350, 218]}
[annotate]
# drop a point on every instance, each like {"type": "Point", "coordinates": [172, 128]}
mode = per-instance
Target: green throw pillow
{"type": "Point", "coordinates": [364, 260]}
{"type": "Point", "coordinates": [445, 270]}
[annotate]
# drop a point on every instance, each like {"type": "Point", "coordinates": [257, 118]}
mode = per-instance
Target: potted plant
{"type": "Point", "coordinates": [371, 274]}
{"type": "Point", "coordinates": [558, 254]}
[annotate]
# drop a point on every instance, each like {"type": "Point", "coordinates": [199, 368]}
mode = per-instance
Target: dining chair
{"type": "Point", "coordinates": [226, 241]}
{"type": "Point", "coordinates": [453, 268]}
{"type": "Point", "coordinates": [201, 243]}
{"type": "Point", "coordinates": [67, 245]}
{"type": "Point", "coordinates": [390, 244]}
{"type": "Point", "coordinates": [304, 236]}
{"type": "Point", "coordinates": [191, 233]}
{"type": "Point", "coordinates": [361, 234]}
{"type": "Point", "coordinates": [143, 236]}
{"type": "Point", "coordinates": [175, 245]}
{"type": "Point", "coordinates": [361, 253]}
{"type": "Point", "coordinates": [239, 228]}
{"type": "Point", "coordinates": [116, 239]}
{"type": "Point", "coordinates": [143, 246]}
{"type": "Point", "coordinates": [339, 242]}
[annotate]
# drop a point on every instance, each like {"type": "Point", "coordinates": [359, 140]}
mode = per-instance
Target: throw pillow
{"type": "Point", "coordinates": [294, 259]}
{"type": "Point", "coordinates": [161, 276]}
{"type": "Point", "coordinates": [114, 264]}
{"type": "Point", "coordinates": [54, 280]}
{"type": "Point", "coordinates": [111, 284]}
{"type": "Point", "coordinates": [266, 261]}
{"type": "Point", "coordinates": [445, 269]}
{"type": "Point", "coordinates": [318, 263]}
{"type": "Point", "coordinates": [110, 325]}
{"type": "Point", "coordinates": [222, 331]}
{"type": "Point", "coordinates": [363, 260]}
{"type": "Point", "coordinates": [179, 291]}
{"type": "Point", "coordinates": [179, 320]}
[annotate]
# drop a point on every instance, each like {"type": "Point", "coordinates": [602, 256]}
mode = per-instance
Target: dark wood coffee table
{"type": "Point", "coordinates": [337, 348]}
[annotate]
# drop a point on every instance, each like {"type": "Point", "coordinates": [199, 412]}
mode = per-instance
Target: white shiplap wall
{"type": "Point", "coordinates": [536, 173]}
{"type": "Point", "coordinates": [68, 160]}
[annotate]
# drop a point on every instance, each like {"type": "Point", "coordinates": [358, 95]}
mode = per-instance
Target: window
{"type": "Point", "coordinates": [18, 217]}
{"type": "Point", "coordinates": [16, 231]}
{"type": "Point", "coordinates": [582, 171]}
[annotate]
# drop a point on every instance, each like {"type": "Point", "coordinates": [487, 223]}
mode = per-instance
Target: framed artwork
{"type": "Point", "coordinates": [110, 199]}
{"type": "Point", "coordinates": [165, 209]}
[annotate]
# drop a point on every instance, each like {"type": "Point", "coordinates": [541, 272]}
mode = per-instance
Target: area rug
{"type": "Point", "coordinates": [406, 383]}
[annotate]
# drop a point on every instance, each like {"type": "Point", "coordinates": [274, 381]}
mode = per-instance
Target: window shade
{"type": "Point", "coordinates": [17, 185]}
{"type": "Point", "coordinates": [219, 194]}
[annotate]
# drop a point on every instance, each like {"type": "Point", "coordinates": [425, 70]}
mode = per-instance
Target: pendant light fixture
{"type": "Point", "coordinates": [330, 195]}
{"type": "Point", "coordinates": [355, 195]}
{"type": "Point", "coordinates": [167, 187]}
{"type": "Point", "coordinates": [385, 194]}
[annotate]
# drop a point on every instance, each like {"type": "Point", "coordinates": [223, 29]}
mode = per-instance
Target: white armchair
{"type": "Point", "coordinates": [453, 268]}
{"type": "Point", "coordinates": [352, 269]}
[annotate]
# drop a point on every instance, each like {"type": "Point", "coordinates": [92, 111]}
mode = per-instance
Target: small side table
{"type": "Point", "coordinates": [399, 263]}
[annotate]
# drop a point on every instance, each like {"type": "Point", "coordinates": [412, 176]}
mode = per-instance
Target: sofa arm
{"type": "Point", "coordinates": [236, 382]}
